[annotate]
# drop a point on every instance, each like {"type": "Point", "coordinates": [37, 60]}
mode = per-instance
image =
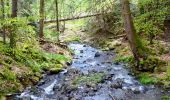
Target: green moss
{"type": "Point", "coordinates": [166, 97]}
{"type": "Point", "coordinates": [146, 79]}
{"type": "Point", "coordinates": [25, 67]}
{"type": "Point", "coordinates": [90, 79]}
{"type": "Point", "coordinates": [8, 86]}
{"type": "Point", "coordinates": [152, 64]}
{"type": "Point", "coordinates": [8, 75]}
{"type": "Point", "coordinates": [125, 59]}
{"type": "Point", "coordinates": [72, 38]}
{"type": "Point", "coordinates": [55, 70]}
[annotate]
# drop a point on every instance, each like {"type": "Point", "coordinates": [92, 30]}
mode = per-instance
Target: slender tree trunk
{"type": "Point", "coordinates": [41, 28]}
{"type": "Point", "coordinates": [167, 24]}
{"type": "Point", "coordinates": [14, 8]}
{"type": "Point", "coordinates": [130, 30]}
{"type": "Point", "coordinates": [57, 21]}
{"type": "Point", "coordinates": [3, 18]}
{"type": "Point", "coordinates": [14, 15]}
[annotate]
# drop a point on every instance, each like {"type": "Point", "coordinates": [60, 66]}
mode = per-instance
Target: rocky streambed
{"type": "Point", "coordinates": [91, 76]}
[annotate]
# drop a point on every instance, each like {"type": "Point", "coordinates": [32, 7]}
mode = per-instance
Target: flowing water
{"type": "Point", "coordinates": [116, 83]}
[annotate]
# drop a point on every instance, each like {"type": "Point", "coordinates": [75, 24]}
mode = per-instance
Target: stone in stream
{"type": "Point", "coordinates": [69, 63]}
{"type": "Point", "coordinates": [97, 54]}
{"type": "Point", "coordinates": [81, 51]}
{"type": "Point", "coordinates": [84, 45]}
{"type": "Point", "coordinates": [118, 84]}
{"type": "Point", "coordinates": [136, 91]}
{"type": "Point", "coordinates": [116, 63]}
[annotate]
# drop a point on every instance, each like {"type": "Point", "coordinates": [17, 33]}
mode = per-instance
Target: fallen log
{"type": "Point", "coordinates": [73, 18]}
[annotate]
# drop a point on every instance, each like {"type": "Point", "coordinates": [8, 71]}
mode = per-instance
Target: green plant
{"type": "Point", "coordinates": [146, 79]}
{"type": "Point", "coordinates": [125, 59]}
{"type": "Point", "coordinates": [91, 79]}
{"type": "Point", "coordinates": [8, 75]}
{"type": "Point", "coordinates": [166, 97]}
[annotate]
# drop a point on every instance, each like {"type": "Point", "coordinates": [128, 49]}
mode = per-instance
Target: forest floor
{"type": "Point", "coordinates": [28, 66]}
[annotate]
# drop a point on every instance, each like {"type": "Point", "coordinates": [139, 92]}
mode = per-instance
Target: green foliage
{"type": "Point", "coordinates": [166, 97]}
{"type": "Point", "coordinates": [51, 35]}
{"type": "Point", "coordinates": [73, 38]}
{"type": "Point", "coordinates": [152, 64]}
{"type": "Point", "coordinates": [8, 75]}
{"type": "Point", "coordinates": [8, 86]}
{"type": "Point", "coordinates": [27, 61]}
{"type": "Point", "coordinates": [144, 78]}
{"type": "Point", "coordinates": [21, 34]}
{"type": "Point", "coordinates": [150, 22]}
{"type": "Point", "coordinates": [125, 59]}
{"type": "Point", "coordinates": [38, 60]}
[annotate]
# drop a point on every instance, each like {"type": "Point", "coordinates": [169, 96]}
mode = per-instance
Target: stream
{"type": "Point", "coordinates": [110, 81]}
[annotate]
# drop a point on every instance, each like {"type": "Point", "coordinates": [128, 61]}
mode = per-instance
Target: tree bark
{"type": "Point", "coordinates": [3, 18]}
{"type": "Point", "coordinates": [167, 24]}
{"type": "Point", "coordinates": [41, 28]}
{"type": "Point", "coordinates": [130, 30]}
{"type": "Point", "coordinates": [14, 8]}
{"type": "Point", "coordinates": [14, 15]}
{"type": "Point", "coordinates": [57, 20]}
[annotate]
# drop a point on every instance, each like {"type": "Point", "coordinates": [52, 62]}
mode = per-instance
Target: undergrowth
{"type": "Point", "coordinates": [21, 67]}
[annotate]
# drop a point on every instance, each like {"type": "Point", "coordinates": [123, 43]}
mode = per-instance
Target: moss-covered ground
{"type": "Point", "coordinates": [20, 68]}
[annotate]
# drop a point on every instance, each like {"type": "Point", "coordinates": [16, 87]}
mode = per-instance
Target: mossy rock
{"type": "Point", "coordinates": [90, 79]}
{"type": "Point", "coordinates": [151, 64]}
{"type": "Point", "coordinates": [166, 97]}
{"type": "Point", "coordinates": [55, 70]}
{"type": "Point", "coordinates": [35, 80]}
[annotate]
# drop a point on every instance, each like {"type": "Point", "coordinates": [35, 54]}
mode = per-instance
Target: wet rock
{"type": "Point", "coordinates": [116, 63]}
{"type": "Point", "coordinates": [41, 82]}
{"type": "Point", "coordinates": [81, 51]}
{"type": "Point", "coordinates": [136, 91]}
{"type": "Point", "coordinates": [118, 84]}
{"type": "Point", "coordinates": [68, 63]}
{"type": "Point", "coordinates": [84, 45]}
{"type": "Point", "coordinates": [69, 88]}
{"type": "Point", "coordinates": [98, 64]}
{"type": "Point", "coordinates": [108, 77]}
{"type": "Point", "coordinates": [57, 87]}
{"type": "Point", "coordinates": [97, 54]}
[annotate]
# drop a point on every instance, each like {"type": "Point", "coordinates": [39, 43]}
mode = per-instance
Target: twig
{"type": "Point", "coordinates": [112, 96]}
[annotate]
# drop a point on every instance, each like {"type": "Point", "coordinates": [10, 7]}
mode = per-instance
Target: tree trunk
{"type": "Point", "coordinates": [41, 28]}
{"type": "Point", "coordinates": [167, 29]}
{"type": "Point", "coordinates": [130, 30]}
{"type": "Point", "coordinates": [57, 20]}
{"type": "Point", "coordinates": [14, 15]}
{"type": "Point", "coordinates": [167, 24]}
{"type": "Point", "coordinates": [14, 8]}
{"type": "Point", "coordinates": [3, 18]}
